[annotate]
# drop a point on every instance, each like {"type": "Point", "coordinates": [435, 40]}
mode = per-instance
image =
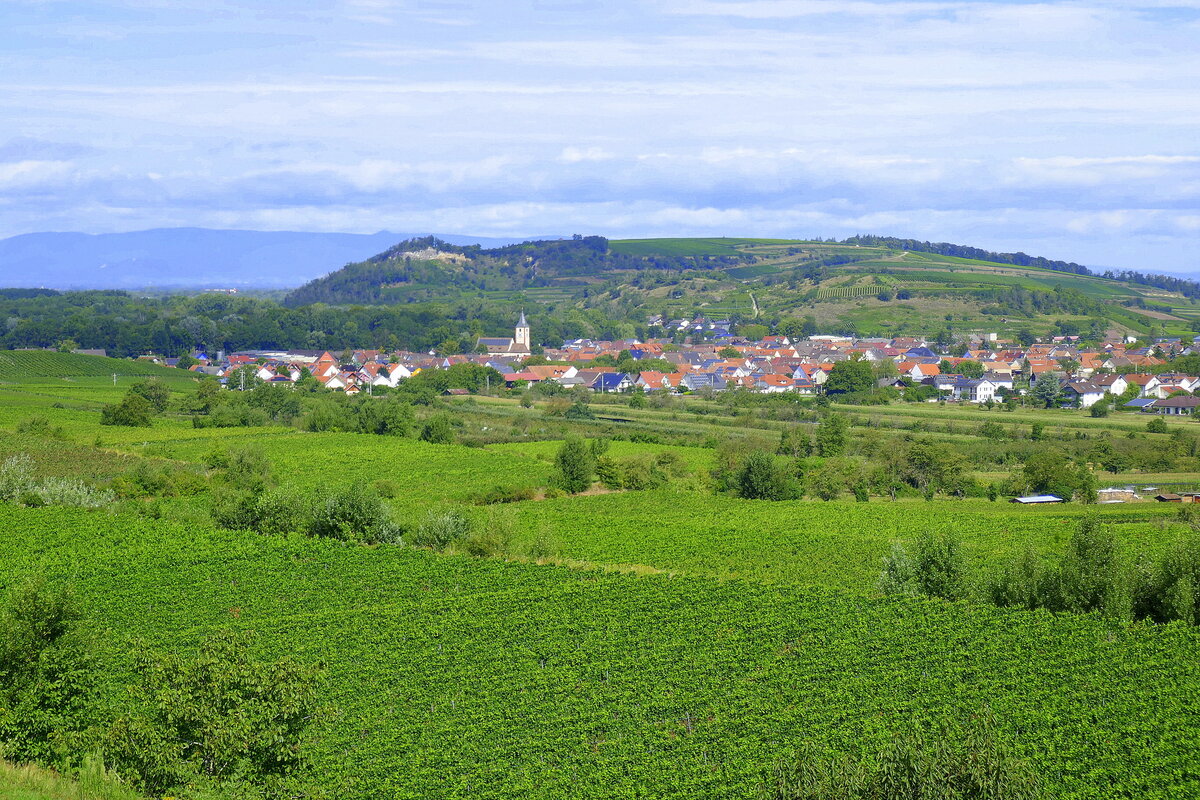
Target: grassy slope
{"type": "Point", "coordinates": [932, 280]}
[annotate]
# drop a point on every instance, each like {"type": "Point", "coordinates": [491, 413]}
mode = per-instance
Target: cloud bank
{"type": "Point", "coordinates": [1062, 128]}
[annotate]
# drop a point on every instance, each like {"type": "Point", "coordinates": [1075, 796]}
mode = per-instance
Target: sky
{"type": "Point", "coordinates": [1063, 129]}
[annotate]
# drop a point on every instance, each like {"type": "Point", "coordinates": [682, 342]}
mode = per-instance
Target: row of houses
{"type": "Point", "coordinates": [773, 364]}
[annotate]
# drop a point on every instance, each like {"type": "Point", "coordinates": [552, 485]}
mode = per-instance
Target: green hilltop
{"type": "Point", "coordinates": [866, 285]}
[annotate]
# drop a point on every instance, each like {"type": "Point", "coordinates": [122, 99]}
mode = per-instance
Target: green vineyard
{"type": "Point", "coordinates": [453, 677]}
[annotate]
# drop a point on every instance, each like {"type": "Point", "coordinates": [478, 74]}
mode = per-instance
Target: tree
{"type": "Point", "coordinates": [243, 378]}
{"type": "Point", "coordinates": [132, 411]}
{"type": "Point", "coordinates": [754, 332]}
{"type": "Point", "coordinates": [155, 392]}
{"type": "Point", "coordinates": [762, 477]}
{"type": "Point", "coordinates": [970, 369]}
{"type": "Point", "coordinates": [186, 361]}
{"type": "Point", "coordinates": [831, 436]}
{"type": "Point", "coordinates": [574, 466]}
{"type": "Point", "coordinates": [222, 716]}
{"type": "Point", "coordinates": [1049, 472]}
{"type": "Point", "coordinates": [850, 376]}
{"type": "Point", "coordinates": [46, 674]}
{"type": "Point", "coordinates": [438, 430]}
{"type": "Point", "coordinates": [1047, 392]}
{"type": "Point", "coordinates": [1085, 485]}
{"type": "Point", "coordinates": [729, 352]}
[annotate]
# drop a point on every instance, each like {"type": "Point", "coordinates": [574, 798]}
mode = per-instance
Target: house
{"type": "Point", "coordinates": [774, 384]}
{"type": "Point", "coordinates": [612, 382]}
{"type": "Point", "coordinates": [1175, 406]}
{"type": "Point", "coordinates": [1085, 393]}
{"type": "Point", "coordinates": [695, 381]}
{"type": "Point", "coordinates": [649, 381]}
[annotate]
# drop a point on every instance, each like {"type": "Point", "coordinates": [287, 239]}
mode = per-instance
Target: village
{"type": "Point", "coordinates": [984, 369]}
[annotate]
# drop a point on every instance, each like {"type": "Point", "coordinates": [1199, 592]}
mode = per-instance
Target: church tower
{"type": "Point", "coordinates": [522, 338]}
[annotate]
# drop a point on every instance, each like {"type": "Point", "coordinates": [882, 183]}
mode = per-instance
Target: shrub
{"type": "Point", "coordinates": [438, 430]}
{"type": "Point", "coordinates": [505, 494]}
{"type": "Point", "coordinates": [19, 485]}
{"type": "Point", "coordinates": [46, 675]}
{"type": "Point", "coordinates": [938, 565]}
{"type": "Point", "coordinates": [222, 717]}
{"type": "Point", "coordinates": [945, 762]}
{"type": "Point", "coordinates": [494, 537]}
{"type": "Point", "coordinates": [440, 529]}
{"type": "Point", "coordinates": [40, 426]}
{"type": "Point", "coordinates": [154, 392]}
{"type": "Point", "coordinates": [898, 576]}
{"type": "Point", "coordinates": [574, 466]}
{"type": "Point", "coordinates": [132, 411]}
{"type": "Point", "coordinates": [353, 513]}
{"type": "Point", "coordinates": [761, 477]}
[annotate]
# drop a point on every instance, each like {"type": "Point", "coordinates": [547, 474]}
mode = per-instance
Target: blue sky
{"type": "Point", "coordinates": [1066, 129]}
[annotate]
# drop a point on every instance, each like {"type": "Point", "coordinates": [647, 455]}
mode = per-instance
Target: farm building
{"type": "Point", "coordinates": [1037, 499]}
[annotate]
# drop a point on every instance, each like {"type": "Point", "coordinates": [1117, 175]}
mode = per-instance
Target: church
{"type": "Point", "coordinates": [517, 346]}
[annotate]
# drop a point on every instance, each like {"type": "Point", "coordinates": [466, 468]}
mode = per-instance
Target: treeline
{"type": "Point", "coordinates": [1188, 288]}
{"type": "Point", "coordinates": [1019, 301]}
{"type": "Point", "coordinates": [126, 325]}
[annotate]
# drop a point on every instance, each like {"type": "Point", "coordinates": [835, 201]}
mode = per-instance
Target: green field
{"type": "Point", "coordinates": [455, 677]}
{"type": "Point", "coordinates": [24, 366]}
{"type": "Point", "coordinates": [667, 643]}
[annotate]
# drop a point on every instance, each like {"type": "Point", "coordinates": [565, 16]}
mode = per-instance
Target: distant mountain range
{"type": "Point", "coordinates": [191, 258]}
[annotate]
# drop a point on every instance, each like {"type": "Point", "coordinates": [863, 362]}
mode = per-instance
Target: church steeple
{"type": "Point", "coordinates": [522, 333]}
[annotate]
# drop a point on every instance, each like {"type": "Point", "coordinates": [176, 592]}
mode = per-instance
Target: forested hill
{"type": "Point", "coordinates": [425, 268]}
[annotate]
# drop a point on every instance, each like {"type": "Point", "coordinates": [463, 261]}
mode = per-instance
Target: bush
{"type": "Point", "coordinates": [439, 530]}
{"type": "Point", "coordinates": [945, 762]}
{"type": "Point", "coordinates": [154, 392]}
{"type": "Point", "coordinates": [762, 477]}
{"type": "Point", "coordinates": [505, 494]}
{"type": "Point", "coordinates": [222, 717]}
{"type": "Point", "coordinates": [133, 411]}
{"type": "Point", "coordinates": [438, 430]}
{"type": "Point", "coordinates": [19, 485]}
{"type": "Point", "coordinates": [1156, 425]}
{"type": "Point", "coordinates": [493, 538]}
{"type": "Point", "coordinates": [935, 569]}
{"type": "Point", "coordinates": [40, 426]}
{"type": "Point", "coordinates": [574, 466]}
{"type": "Point", "coordinates": [46, 675]}
{"type": "Point", "coordinates": [938, 566]}
{"type": "Point", "coordinates": [353, 513]}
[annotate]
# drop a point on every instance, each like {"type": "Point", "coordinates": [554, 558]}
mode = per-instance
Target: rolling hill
{"type": "Point", "coordinates": [866, 285]}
